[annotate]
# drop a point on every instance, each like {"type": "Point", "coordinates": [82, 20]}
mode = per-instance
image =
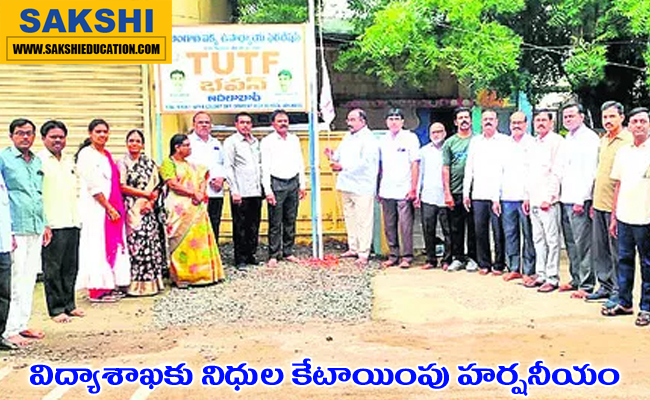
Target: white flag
{"type": "Point", "coordinates": [326, 102]}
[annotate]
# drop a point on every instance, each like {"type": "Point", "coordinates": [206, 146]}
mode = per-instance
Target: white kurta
{"type": "Point", "coordinates": [94, 271]}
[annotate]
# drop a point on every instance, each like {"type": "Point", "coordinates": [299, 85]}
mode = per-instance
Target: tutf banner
{"type": "Point", "coordinates": [232, 68]}
{"type": "Point", "coordinates": [85, 32]}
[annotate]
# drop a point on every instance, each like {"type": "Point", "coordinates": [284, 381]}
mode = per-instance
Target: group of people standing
{"type": "Point", "coordinates": [524, 191]}
{"type": "Point", "coordinates": [113, 227]}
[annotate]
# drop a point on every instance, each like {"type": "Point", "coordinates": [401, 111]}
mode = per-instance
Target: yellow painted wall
{"type": "Point", "coordinates": [193, 12]}
{"type": "Point", "coordinates": [331, 206]}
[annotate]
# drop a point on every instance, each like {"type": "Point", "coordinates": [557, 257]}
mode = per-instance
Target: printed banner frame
{"type": "Point", "coordinates": [229, 68]}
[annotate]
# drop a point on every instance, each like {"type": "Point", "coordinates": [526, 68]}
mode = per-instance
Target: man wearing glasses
{"type": "Point", "coordinates": [514, 203]}
{"type": "Point", "coordinates": [23, 176]}
{"type": "Point", "coordinates": [356, 161]}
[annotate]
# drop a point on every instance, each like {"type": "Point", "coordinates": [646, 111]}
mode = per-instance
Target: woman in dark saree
{"type": "Point", "coordinates": [145, 218]}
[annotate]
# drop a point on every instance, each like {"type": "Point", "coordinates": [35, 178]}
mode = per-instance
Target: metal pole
{"type": "Point", "coordinates": [314, 145]}
{"type": "Point", "coordinates": [159, 139]}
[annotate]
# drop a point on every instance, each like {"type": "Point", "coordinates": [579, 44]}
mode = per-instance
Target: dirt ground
{"type": "Point", "coordinates": [419, 317]}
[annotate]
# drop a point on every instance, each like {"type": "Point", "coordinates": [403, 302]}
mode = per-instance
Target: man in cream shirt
{"type": "Point", "coordinates": [60, 202]}
{"type": "Point", "coordinates": [630, 219]}
{"type": "Point", "coordinates": [357, 162]}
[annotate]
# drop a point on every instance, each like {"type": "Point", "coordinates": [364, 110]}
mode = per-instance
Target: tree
{"type": "Point", "coordinates": [270, 11]}
{"type": "Point", "coordinates": [599, 46]}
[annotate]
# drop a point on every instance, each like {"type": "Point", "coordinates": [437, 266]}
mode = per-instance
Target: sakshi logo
{"type": "Point", "coordinates": [81, 31]}
{"type": "Point", "coordinates": [107, 19]}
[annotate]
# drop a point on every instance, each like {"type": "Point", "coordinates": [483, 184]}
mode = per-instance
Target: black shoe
{"type": "Point", "coordinates": [252, 261]}
{"type": "Point", "coordinates": [241, 267]}
{"type": "Point", "coordinates": [7, 345]}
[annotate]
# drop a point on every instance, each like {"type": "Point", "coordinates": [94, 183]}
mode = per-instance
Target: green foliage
{"type": "Point", "coordinates": [599, 46]}
{"type": "Point", "coordinates": [397, 47]}
{"type": "Point", "coordinates": [567, 13]}
{"type": "Point", "coordinates": [408, 41]}
{"type": "Point", "coordinates": [586, 65]}
{"type": "Point", "coordinates": [272, 11]}
{"type": "Point", "coordinates": [646, 57]}
{"type": "Point", "coordinates": [480, 58]}
{"type": "Point", "coordinates": [638, 14]}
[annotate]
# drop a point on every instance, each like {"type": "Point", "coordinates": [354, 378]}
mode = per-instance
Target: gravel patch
{"type": "Point", "coordinates": [290, 293]}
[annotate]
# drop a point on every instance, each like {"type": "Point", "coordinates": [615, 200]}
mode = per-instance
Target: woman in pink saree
{"type": "Point", "coordinates": [104, 265]}
{"type": "Point", "coordinates": [194, 255]}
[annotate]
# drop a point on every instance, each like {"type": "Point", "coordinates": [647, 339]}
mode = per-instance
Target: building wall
{"type": "Point", "coordinates": [190, 12]}
{"type": "Point", "coordinates": [332, 208]}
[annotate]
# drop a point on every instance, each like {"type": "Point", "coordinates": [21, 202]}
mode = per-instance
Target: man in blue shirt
{"type": "Point", "coordinates": [7, 244]}
{"type": "Point", "coordinates": [23, 175]}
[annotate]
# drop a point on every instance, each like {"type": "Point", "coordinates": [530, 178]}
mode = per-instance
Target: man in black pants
{"type": "Point", "coordinates": [242, 167]}
{"type": "Point", "coordinates": [60, 193]}
{"type": "Point", "coordinates": [454, 157]}
{"type": "Point", "coordinates": [481, 192]}
{"type": "Point", "coordinates": [283, 179]}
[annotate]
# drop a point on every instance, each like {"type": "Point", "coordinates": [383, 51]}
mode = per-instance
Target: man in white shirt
{"type": "Point", "coordinates": [283, 179]}
{"type": "Point", "coordinates": [7, 245]}
{"type": "Point", "coordinates": [543, 195]}
{"type": "Point", "coordinates": [579, 163]}
{"type": "Point", "coordinates": [244, 176]}
{"type": "Point", "coordinates": [357, 162]}
{"type": "Point", "coordinates": [431, 196]}
{"type": "Point", "coordinates": [514, 202]}
{"type": "Point", "coordinates": [61, 205]}
{"type": "Point", "coordinates": [207, 151]}
{"type": "Point", "coordinates": [398, 177]}
{"type": "Point", "coordinates": [481, 182]}
{"type": "Point", "coordinates": [630, 218]}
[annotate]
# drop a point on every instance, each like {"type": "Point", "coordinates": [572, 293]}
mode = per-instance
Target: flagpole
{"type": "Point", "coordinates": [314, 145]}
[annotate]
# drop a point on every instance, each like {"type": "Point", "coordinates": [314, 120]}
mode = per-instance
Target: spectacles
{"type": "Point", "coordinates": [23, 133]}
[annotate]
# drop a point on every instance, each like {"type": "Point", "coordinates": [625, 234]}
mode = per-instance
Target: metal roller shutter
{"type": "Point", "coordinates": [75, 94]}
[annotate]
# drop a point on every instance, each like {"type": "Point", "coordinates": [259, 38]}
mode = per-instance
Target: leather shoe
{"type": "Point", "coordinates": [241, 267]}
{"type": "Point", "coordinates": [7, 345]}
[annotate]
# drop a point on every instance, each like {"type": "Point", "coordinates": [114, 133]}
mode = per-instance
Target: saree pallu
{"type": "Point", "coordinates": [145, 232]}
{"type": "Point", "coordinates": [194, 255]}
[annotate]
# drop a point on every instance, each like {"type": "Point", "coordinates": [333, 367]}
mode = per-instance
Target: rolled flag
{"type": "Point", "coordinates": [326, 105]}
